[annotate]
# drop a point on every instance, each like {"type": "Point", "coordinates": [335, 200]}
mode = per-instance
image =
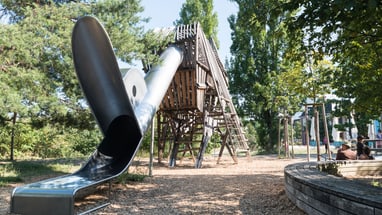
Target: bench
{"type": "Point", "coordinates": [318, 188]}
{"type": "Point", "coordinates": [376, 150]}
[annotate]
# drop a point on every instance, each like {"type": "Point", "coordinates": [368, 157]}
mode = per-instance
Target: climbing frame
{"type": "Point", "coordinates": [198, 103]}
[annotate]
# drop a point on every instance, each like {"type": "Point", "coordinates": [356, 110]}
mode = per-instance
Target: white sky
{"type": "Point", "coordinates": [163, 13]}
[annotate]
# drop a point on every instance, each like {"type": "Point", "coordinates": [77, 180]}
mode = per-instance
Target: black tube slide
{"type": "Point", "coordinates": [101, 81]}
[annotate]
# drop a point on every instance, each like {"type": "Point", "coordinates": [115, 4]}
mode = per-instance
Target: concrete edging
{"type": "Point", "coordinates": [314, 190]}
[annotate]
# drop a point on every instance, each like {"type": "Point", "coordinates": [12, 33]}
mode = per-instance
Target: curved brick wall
{"type": "Point", "coordinates": [315, 191]}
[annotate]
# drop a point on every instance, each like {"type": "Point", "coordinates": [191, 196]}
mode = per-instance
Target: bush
{"type": "Point", "coordinates": [85, 141]}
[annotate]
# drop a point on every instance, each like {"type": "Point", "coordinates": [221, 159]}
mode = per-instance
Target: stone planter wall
{"type": "Point", "coordinates": [315, 191]}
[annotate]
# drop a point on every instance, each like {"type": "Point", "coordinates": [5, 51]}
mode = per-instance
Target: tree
{"type": "Point", "coordinates": [200, 11]}
{"type": "Point", "coordinates": [260, 43]}
{"type": "Point", "coordinates": [36, 64]}
{"type": "Point", "coordinates": [37, 78]}
{"type": "Point", "coordinates": [309, 80]}
{"type": "Point", "coordinates": [351, 33]}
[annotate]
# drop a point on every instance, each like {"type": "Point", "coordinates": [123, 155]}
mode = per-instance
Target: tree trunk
{"type": "Point", "coordinates": [13, 134]}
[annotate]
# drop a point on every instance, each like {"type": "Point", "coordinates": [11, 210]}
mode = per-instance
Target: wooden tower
{"type": "Point", "coordinates": [198, 103]}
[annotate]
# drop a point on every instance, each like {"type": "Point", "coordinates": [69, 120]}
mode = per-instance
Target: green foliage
{"type": "Point", "coordinates": [155, 42]}
{"type": "Point", "coordinates": [121, 21]}
{"type": "Point", "coordinates": [281, 51]}
{"type": "Point", "coordinates": [250, 133]}
{"type": "Point", "coordinates": [351, 33]}
{"type": "Point", "coordinates": [37, 78]}
{"type": "Point", "coordinates": [146, 142]}
{"type": "Point", "coordinates": [215, 142]}
{"type": "Point", "coordinates": [376, 183]}
{"type": "Point", "coordinates": [260, 42]}
{"type": "Point", "coordinates": [84, 141]}
{"type": "Point", "coordinates": [331, 168]}
{"type": "Point", "coordinates": [5, 139]}
{"type": "Point", "coordinates": [48, 142]}
{"type": "Point", "coordinates": [311, 80]}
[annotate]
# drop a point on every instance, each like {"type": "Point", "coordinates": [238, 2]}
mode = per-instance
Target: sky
{"type": "Point", "coordinates": [164, 13]}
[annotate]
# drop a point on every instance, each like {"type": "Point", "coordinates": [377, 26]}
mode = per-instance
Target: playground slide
{"type": "Point", "coordinates": [123, 110]}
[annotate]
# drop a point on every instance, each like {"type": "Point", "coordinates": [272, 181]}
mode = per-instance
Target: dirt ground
{"type": "Point", "coordinates": [253, 186]}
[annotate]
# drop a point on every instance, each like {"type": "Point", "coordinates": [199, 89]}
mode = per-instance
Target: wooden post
{"type": "Point", "coordinates": [317, 128]}
{"type": "Point", "coordinates": [279, 138]}
{"type": "Point", "coordinates": [286, 147]}
{"type": "Point", "coordinates": [292, 137]}
{"type": "Point", "coordinates": [317, 131]}
{"type": "Point", "coordinates": [13, 135]}
{"type": "Point", "coordinates": [326, 132]}
{"type": "Point", "coordinates": [224, 139]}
{"type": "Point", "coordinates": [307, 139]}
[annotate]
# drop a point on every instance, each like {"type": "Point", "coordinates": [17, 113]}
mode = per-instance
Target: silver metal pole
{"type": "Point", "coordinates": [151, 148]}
{"type": "Point", "coordinates": [157, 82]}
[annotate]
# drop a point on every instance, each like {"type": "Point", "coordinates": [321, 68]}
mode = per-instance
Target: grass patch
{"type": "Point", "coordinates": [34, 170]}
{"type": "Point", "coordinates": [21, 171]}
{"type": "Point", "coordinates": [4, 181]}
{"type": "Point", "coordinates": [126, 177]}
{"type": "Point", "coordinates": [8, 174]}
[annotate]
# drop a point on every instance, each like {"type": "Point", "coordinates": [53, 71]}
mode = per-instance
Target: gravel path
{"type": "Point", "coordinates": [253, 186]}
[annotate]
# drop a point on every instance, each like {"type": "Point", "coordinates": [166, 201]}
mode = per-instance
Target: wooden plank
{"type": "Point", "coordinates": [198, 74]}
{"type": "Point", "coordinates": [193, 89]}
{"type": "Point", "coordinates": [184, 89]}
{"type": "Point", "coordinates": [171, 95]}
{"type": "Point", "coordinates": [190, 88]}
{"type": "Point", "coordinates": [188, 84]}
{"type": "Point", "coordinates": [178, 90]}
{"type": "Point", "coordinates": [167, 97]}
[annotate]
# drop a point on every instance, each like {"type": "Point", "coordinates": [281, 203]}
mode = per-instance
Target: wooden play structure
{"type": "Point", "coordinates": [198, 103]}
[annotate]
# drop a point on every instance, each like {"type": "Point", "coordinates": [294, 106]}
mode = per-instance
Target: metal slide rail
{"type": "Point", "coordinates": [123, 109]}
